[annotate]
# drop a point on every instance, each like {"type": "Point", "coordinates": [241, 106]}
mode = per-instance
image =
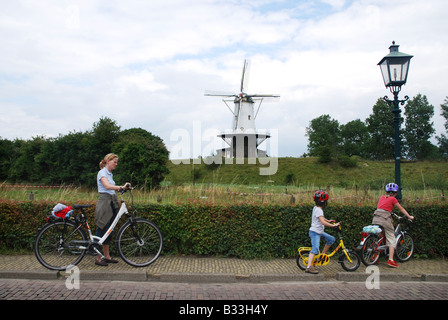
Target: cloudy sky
{"type": "Point", "coordinates": [147, 64]}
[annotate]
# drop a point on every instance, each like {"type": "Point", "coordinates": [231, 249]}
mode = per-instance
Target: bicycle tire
{"type": "Point", "coordinates": [52, 245]}
{"type": "Point", "coordinates": [405, 247]}
{"type": "Point", "coordinates": [369, 254]}
{"type": "Point", "coordinates": [299, 260]}
{"type": "Point", "coordinates": [139, 243]}
{"type": "Point", "coordinates": [347, 265]}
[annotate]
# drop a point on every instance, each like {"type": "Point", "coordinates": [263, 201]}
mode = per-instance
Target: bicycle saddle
{"type": "Point", "coordinates": [82, 206]}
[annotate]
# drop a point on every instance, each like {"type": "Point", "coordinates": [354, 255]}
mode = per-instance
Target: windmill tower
{"type": "Point", "coordinates": [243, 139]}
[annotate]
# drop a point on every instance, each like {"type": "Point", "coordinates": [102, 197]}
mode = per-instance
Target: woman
{"type": "Point", "coordinates": [107, 205]}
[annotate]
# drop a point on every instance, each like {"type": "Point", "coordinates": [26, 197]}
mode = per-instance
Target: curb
{"type": "Point", "coordinates": [362, 277]}
{"type": "Point", "coordinates": [435, 277]}
{"type": "Point", "coordinates": [30, 275]}
{"type": "Point", "coordinates": [142, 276]}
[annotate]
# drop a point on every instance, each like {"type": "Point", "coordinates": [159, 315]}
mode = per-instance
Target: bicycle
{"type": "Point", "coordinates": [62, 242]}
{"type": "Point", "coordinates": [373, 245]}
{"type": "Point", "coordinates": [349, 259]}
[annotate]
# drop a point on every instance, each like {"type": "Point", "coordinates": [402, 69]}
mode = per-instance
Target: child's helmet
{"type": "Point", "coordinates": [391, 187]}
{"type": "Point", "coordinates": [320, 197]}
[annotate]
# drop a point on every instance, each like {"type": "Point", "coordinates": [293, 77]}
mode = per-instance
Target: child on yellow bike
{"type": "Point", "coordinates": [316, 231]}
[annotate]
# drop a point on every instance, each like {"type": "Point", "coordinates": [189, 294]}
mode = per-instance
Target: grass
{"type": "Point", "coordinates": [307, 171]}
{"type": "Point", "coordinates": [294, 182]}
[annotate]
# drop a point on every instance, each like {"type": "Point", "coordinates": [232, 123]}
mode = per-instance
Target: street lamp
{"type": "Point", "coordinates": [394, 68]}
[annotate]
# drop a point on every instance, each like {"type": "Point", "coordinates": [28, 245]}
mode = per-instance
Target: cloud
{"type": "Point", "coordinates": [63, 65]}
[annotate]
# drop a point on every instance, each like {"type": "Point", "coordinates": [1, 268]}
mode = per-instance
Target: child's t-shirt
{"type": "Point", "coordinates": [387, 203]}
{"type": "Point", "coordinates": [316, 225]}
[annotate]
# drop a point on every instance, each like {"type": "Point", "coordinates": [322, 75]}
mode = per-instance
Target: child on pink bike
{"type": "Point", "coordinates": [383, 217]}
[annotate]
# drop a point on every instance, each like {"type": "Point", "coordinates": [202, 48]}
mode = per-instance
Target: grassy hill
{"type": "Point", "coordinates": [295, 181]}
{"type": "Point", "coordinates": [307, 172]}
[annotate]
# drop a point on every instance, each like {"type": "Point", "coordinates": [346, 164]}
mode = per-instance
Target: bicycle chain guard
{"type": "Point", "coordinates": [321, 259]}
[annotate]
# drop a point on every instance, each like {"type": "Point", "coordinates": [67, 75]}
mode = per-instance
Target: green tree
{"type": "Point", "coordinates": [380, 125]}
{"type": "Point", "coordinates": [419, 128]}
{"type": "Point", "coordinates": [324, 137]}
{"type": "Point", "coordinates": [67, 160]}
{"type": "Point", "coordinates": [142, 158]}
{"type": "Point", "coordinates": [24, 167]}
{"type": "Point", "coordinates": [104, 134]}
{"type": "Point", "coordinates": [355, 138]}
{"type": "Point", "coordinates": [7, 157]}
{"type": "Point", "coordinates": [442, 139]}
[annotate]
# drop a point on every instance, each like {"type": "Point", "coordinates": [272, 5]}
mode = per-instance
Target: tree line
{"type": "Point", "coordinates": [373, 138]}
{"type": "Point", "coordinates": [74, 158]}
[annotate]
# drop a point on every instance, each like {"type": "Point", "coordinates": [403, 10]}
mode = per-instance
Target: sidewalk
{"type": "Point", "coordinates": [221, 270]}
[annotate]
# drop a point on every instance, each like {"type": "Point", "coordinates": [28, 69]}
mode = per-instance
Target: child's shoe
{"type": "Point", "coordinates": [311, 270]}
{"type": "Point", "coordinates": [392, 263]}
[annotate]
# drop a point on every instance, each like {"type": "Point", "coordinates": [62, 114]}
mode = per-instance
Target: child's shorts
{"type": "Point", "coordinates": [315, 240]}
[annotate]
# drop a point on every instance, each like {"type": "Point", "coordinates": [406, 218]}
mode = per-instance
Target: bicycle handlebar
{"type": "Point", "coordinates": [124, 190]}
{"type": "Point", "coordinates": [400, 217]}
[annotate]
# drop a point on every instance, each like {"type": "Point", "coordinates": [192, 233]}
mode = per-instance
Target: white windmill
{"type": "Point", "coordinates": [243, 139]}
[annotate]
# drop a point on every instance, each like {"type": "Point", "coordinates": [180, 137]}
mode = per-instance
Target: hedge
{"type": "Point", "coordinates": [244, 230]}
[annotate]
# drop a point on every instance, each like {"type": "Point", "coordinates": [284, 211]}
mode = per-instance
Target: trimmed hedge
{"type": "Point", "coordinates": [244, 230]}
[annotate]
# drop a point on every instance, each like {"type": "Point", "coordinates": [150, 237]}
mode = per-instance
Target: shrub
{"type": "Point", "coordinates": [243, 230]}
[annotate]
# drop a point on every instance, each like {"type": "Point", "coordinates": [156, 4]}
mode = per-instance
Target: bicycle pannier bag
{"type": "Point", "coordinates": [61, 211]}
{"type": "Point", "coordinates": [372, 229]}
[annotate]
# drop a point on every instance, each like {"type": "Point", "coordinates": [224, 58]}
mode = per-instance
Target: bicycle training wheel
{"type": "Point", "coordinates": [302, 263]}
{"type": "Point", "coordinates": [404, 248]}
{"type": "Point", "coordinates": [55, 247]}
{"type": "Point", "coordinates": [369, 254]}
{"type": "Point", "coordinates": [346, 264]}
{"type": "Point", "coordinates": [139, 243]}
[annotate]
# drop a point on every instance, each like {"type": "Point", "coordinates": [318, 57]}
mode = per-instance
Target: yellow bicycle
{"type": "Point", "coordinates": [349, 259]}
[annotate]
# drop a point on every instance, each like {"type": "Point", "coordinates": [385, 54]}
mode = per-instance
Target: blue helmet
{"type": "Point", "coordinates": [392, 187]}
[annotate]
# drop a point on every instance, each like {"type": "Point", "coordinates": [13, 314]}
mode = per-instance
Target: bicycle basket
{"type": "Point", "coordinates": [61, 211]}
{"type": "Point", "coordinates": [372, 229]}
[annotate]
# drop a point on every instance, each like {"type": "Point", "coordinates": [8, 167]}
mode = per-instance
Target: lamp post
{"type": "Point", "coordinates": [394, 68]}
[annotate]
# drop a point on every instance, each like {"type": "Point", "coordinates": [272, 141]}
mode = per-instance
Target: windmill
{"type": "Point", "coordinates": [243, 139]}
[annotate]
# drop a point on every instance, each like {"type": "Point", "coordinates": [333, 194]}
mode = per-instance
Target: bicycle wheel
{"type": "Point", "coordinates": [54, 245]}
{"type": "Point", "coordinates": [369, 254]}
{"type": "Point", "coordinates": [302, 260]}
{"type": "Point", "coordinates": [139, 243]}
{"type": "Point", "coordinates": [405, 247]}
{"type": "Point", "coordinates": [346, 264]}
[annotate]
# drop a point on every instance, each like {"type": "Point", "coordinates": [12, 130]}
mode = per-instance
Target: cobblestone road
{"type": "Point", "coordinates": [12, 289]}
{"type": "Point", "coordinates": [221, 301]}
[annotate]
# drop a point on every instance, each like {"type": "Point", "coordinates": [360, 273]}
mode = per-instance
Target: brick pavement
{"type": "Point", "coordinates": [20, 289]}
{"type": "Point", "coordinates": [213, 269]}
{"type": "Point", "coordinates": [205, 279]}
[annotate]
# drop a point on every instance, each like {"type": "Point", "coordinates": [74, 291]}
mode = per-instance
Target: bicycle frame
{"type": "Point", "coordinates": [381, 246]}
{"type": "Point", "coordinates": [100, 240]}
{"type": "Point", "coordinates": [322, 259]}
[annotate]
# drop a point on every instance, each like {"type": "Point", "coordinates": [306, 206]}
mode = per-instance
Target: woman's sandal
{"type": "Point", "coordinates": [101, 263]}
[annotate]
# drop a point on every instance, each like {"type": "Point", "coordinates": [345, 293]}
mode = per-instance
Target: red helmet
{"type": "Point", "coordinates": [320, 197]}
